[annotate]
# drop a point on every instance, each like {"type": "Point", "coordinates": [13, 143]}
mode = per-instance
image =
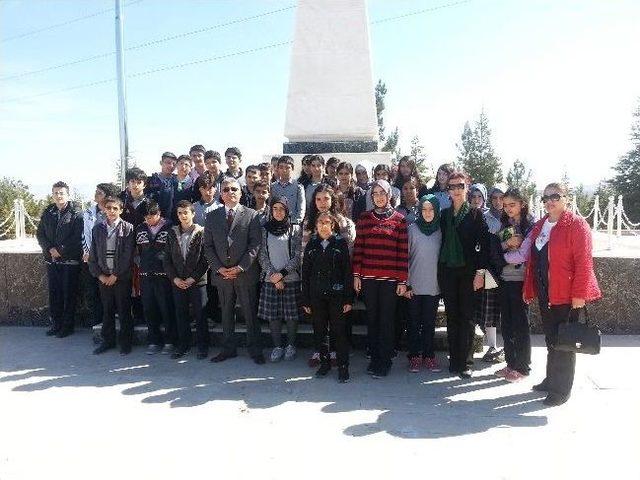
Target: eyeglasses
{"type": "Point", "coordinates": [554, 197]}
{"type": "Point", "coordinates": [230, 189]}
{"type": "Point", "coordinates": [455, 186]}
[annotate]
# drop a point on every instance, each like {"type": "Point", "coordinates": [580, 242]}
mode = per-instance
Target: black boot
{"type": "Point", "coordinates": [343, 373]}
{"type": "Point", "coordinates": [325, 366]}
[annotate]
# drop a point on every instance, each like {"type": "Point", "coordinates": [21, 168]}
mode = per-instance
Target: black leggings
{"type": "Point", "coordinates": [515, 327]}
{"type": "Point", "coordinates": [380, 299]}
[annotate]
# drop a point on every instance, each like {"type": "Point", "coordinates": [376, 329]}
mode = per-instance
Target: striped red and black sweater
{"type": "Point", "coordinates": [380, 251]}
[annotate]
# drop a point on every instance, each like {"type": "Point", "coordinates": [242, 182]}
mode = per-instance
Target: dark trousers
{"type": "Point", "coordinates": [229, 292]}
{"type": "Point", "coordinates": [91, 293]}
{"type": "Point", "coordinates": [560, 365]}
{"type": "Point", "coordinates": [457, 291]}
{"type": "Point", "coordinates": [328, 318]}
{"type": "Point", "coordinates": [117, 299]}
{"type": "Point", "coordinates": [63, 294]}
{"type": "Point", "coordinates": [422, 325]}
{"type": "Point", "coordinates": [213, 303]}
{"type": "Point", "coordinates": [515, 327]}
{"type": "Point", "coordinates": [196, 296]}
{"type": "Point", "coordinates": [157, 302]}
{"type": "Point", "coordinates": [401, 321]}
{"type": "Point", "coordinates": [380, 298]}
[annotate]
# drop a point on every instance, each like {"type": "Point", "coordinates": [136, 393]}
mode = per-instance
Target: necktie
{"type": "Point", "coordinates": [229, 219]}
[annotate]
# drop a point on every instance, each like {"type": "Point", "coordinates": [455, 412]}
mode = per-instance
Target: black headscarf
{"type": "Point", "coordinates": [274, 226]}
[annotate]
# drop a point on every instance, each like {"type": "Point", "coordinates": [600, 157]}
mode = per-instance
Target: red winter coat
{"type": "Point", "coordinates": [570, 262]}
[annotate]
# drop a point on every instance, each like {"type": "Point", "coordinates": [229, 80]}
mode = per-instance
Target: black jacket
{"type": "Point", "coordinates": [327, 272]}
{"type": "Point", "coordinates": [195, 266]}
{"type": "Point", "coordinates": [123, 259]}
{"type": "Point", "coordinates": [64, 234]}
{"type": "Point", "coordinates": [152, 249]}
{"type": "Point", "coordinates": [161, 190]}
{"type": "Point", "coordinates": [474, 236]}
{"type": "Point", "coordinates": [131, 214]}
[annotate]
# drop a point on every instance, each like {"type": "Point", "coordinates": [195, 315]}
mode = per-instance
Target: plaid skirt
{"type": "Point", "coordinates": [279, 304]}
{"type": "Point", "coordinates": [487, 308]}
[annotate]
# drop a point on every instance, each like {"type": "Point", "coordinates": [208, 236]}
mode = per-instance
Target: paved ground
{"type": "Point", "coordinates": [65, 413]}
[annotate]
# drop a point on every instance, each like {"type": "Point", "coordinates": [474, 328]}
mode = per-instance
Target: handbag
{"type": "Point", "coordinates": [579, 337]}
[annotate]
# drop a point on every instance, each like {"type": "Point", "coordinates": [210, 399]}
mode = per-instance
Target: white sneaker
{"type": "Point", "coordinates": [290, 352]}
{"type": "Point", "coordinates": [276, 354]}
{"type": "Point", "coordinates": [167, 349]}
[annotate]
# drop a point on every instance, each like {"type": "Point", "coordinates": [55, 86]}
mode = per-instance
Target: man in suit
{"type": "Point", "coordinates": [232, 237]}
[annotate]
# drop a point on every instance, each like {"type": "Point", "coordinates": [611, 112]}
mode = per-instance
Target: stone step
{"type": "Point", "coordinates": [305, 335]}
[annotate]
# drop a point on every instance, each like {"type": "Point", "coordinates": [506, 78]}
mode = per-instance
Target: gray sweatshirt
{"type": "Point", "coordinates": [424, 252]}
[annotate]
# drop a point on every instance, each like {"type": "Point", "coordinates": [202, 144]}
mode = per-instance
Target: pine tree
{"type": "Point", "coordinates": [520, 177]}
{"type": "Point", "coordinates": [381, 91]}
{"type": "Point", "coordinates": [477, 155]}
{"type": "Point", "coordinates": [417, 152]}
{"type": "Point", "coordinates": [626, 181]}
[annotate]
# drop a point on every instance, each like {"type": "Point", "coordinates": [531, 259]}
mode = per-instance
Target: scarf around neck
{"type": "Point", "coordinates": [278, 227]}
{"type": "Point", "coordinates": [452, 254]}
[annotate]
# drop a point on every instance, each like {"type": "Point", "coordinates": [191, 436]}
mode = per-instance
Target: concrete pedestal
{"type": "Point", "coordinates": [331, 102]}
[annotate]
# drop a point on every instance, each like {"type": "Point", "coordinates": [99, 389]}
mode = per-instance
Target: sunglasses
{"type": "Point", "coordinates": [455, 186]}
{"type": "Point", "coordinates": [553, 197]}
{"type": "Point", "coordinates": [230, 189]}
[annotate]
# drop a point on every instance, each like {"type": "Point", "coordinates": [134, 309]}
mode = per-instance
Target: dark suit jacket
{"type": "Point", "coordinates": [238, 245]}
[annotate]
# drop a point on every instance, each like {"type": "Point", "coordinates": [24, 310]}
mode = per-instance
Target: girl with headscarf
{"type": "Point", "coordinates": [487, 303]}
{"type": "Point", "coordinates": [280, 260]}
{"type": "Point", "coordinates": [380, 268]}
{"type": "Point", "coordinates": [423, 291]}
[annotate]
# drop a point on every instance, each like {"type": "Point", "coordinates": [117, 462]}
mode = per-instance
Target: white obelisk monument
{"type": "Point", "coordinates": [331, 102]}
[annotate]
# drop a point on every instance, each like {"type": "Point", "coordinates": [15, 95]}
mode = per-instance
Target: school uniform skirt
{"type": "Point", "coordinates": [280, 304]}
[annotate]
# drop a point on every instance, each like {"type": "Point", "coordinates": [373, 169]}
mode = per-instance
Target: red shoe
{"type": "Point", "coordinates": [314, 360]}
{"type": "Point", "coordinates": [414, 364]}
{"type": "Point", "coordinates": [503, 372]}
{"type": "Point", "coordinates": [513, 376]}
{"type": "Point", "coordinates": [432, 365]}
{"type": "Point", "coordinates": [333, 357]}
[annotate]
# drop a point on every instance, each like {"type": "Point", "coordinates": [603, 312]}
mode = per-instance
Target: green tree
{"type": "Point", "coordinates": [10, 190]}
{"type": "Point", "coordinates": [476, 154]}
{"type": "Point", "coordinates": [391, 144]}
{"type": "Point", "coordinates": [626, 181]}
{"type": "Point", "coordinates": [520, 177]}
{"type": "Point", "coordinates": [582, 200]}
{"type": "Point", "coordinates": [380, 91]}
{"type": "Point", "coordinates": [417, 151]}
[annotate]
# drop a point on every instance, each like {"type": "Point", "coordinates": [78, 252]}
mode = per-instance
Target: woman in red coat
{"type": "Point", "coordinates": [560, 274]}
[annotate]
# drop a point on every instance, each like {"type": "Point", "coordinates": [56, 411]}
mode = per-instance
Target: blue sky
{"type": "Point", "coordinates": [557, 78]}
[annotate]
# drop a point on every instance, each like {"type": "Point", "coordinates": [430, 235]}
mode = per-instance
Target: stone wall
{"type": "Point", "coordinates": [23, 294]}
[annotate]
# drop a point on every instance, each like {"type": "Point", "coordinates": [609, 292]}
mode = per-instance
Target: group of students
{"type": "Point", "coordinates": [192, 244]}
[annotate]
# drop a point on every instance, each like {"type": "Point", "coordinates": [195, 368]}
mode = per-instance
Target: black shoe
{"type": "Point", "coordinates": [343, 374]}
{"type": "Point", "coordinates": [493, 355]}
{"type": "Point", "coordinates": [380, 373]}
{"type": "Point", "coordinates": [222, 356]}
{"type": "Point", "coordinates": [466, 373]}
{"type": "Point", "coordinates": [103, 347]}
{"type": "Point", "coordinates": [259, 359]}
{"type": "Point", "coordinates": [65, 332]}
{"type": "Point", "coordinates": [125, 349]}
{"type": "Point", "coordinates": [52, 332]}
{"type": "Point", "coordinates": [543, 386]}
{"type": "Point", "coordinates": [179, 354]}
{"type": "Point", "coordinates": [324, 370]}
{"type": "Point", "coordinates": [371, 368]}
{"type": "Point", "coordinates": [555, 399]}
{"type": "Point", "coordinates": [202, 355]}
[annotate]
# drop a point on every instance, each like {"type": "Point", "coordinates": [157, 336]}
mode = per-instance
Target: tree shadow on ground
{"type": "Point", "coordinates": [424, 405]}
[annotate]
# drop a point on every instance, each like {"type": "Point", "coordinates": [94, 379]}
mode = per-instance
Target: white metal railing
{"type": "Point", "coordinates": [16, 222]}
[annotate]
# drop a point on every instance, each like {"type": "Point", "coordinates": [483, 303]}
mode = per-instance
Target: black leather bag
{"type": "Point", "coordinates": [579, 337]}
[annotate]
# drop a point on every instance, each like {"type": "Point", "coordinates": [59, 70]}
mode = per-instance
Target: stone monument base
{"type": "Point", "coordinates": [352, 146]}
